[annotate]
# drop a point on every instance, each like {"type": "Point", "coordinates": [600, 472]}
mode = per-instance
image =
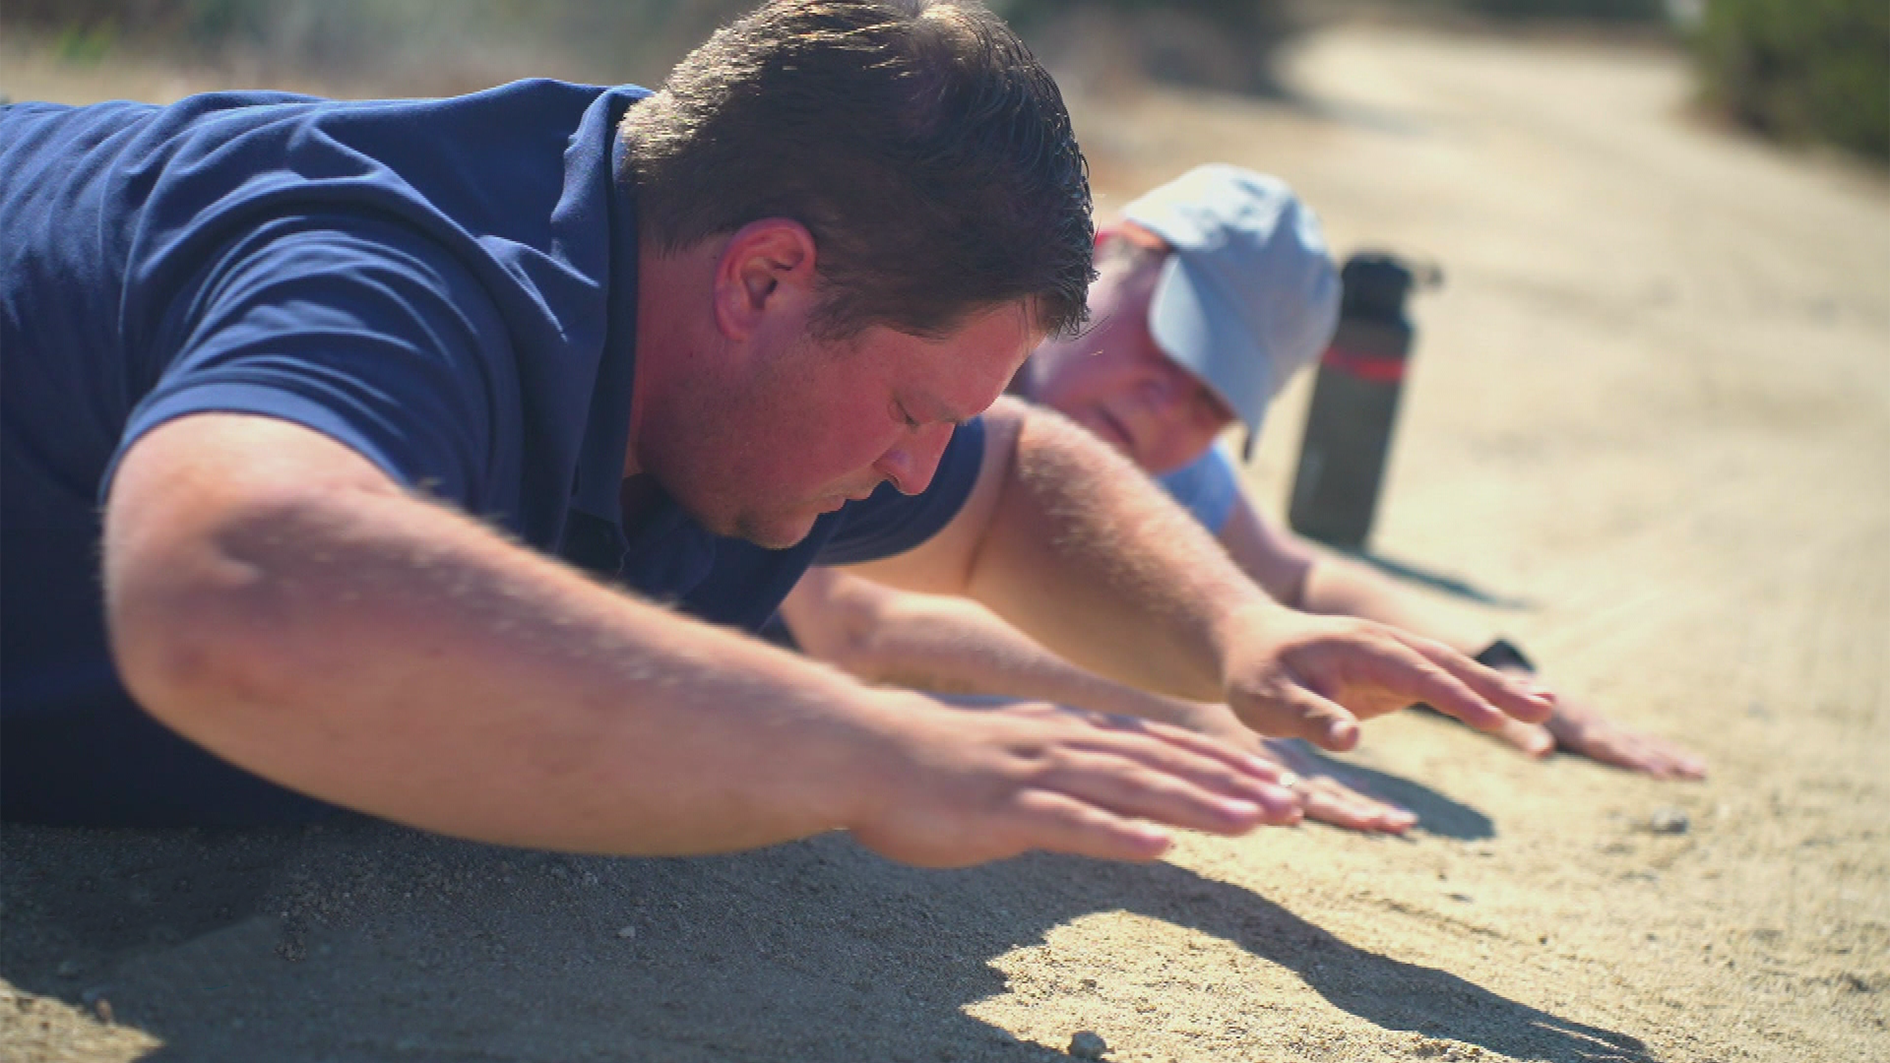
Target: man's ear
{"type": "Point", "coordinates": [766, 268]}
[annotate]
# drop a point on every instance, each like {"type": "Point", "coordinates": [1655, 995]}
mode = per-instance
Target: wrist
{"type": "Point", "coordinates": [892, 730]}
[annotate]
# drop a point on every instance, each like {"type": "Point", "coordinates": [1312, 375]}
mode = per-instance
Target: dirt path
{"type": "Point", "coordinates": [1653, 402]}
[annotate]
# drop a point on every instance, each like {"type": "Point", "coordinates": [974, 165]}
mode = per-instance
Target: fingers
{"type": "Point", "coordinates": [1032, 819]}
{"type": "Point", "coordinates": [1196, 742]}
{"type": "Point", "coordinates": [1178, 795]}
{"type": "Point", "coordinates": [1517, 695]}
{"type": "Point", "coordinates": [1326, 799]}
{"type": "Point", "coordinates": [1611, 744]}
{"type": "Point", "coordinates": [1680, 763]}
{"type": "Point", "coordinates": [1532, 739]}
{"type": "Point", "coordinates": [1250, 769]}
{"type": "Point", "coordinates": [1205, 760]}
{"type": "Point", "coordinates": [1329, 801]}
{"type": "Point", "coordinates": [1295, 711]}
{"type": "Point", "coordinates": [992, 785]}
{"type": "Point", "coordinates": [1458, 686]}
{"type": "Point", "coordinates": [1059, 823]}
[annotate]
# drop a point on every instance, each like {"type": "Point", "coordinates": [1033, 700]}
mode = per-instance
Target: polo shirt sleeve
{"type": "Point", "coordinates": [359, 328]}
{"type": "Point", "coordinates": [1206, 487]}
{"type": "Point", "coordinates": [888, 523]}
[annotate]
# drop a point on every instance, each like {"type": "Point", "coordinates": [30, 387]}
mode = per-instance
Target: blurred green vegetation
{"type": "Point", "coordinates": [1610, 10]}
{"type": "Point", "coordinates": [622, 40]}
{"type": "Point", "coordinates": [1802, 69]}
{"type": "Point", "coordinates": [1794, 69]}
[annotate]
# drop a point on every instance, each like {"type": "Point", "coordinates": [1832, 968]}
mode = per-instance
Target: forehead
{"type": "Point", "coordinates": [1118, 335]}
{"type": "Point", "coordinates": [963, 372]}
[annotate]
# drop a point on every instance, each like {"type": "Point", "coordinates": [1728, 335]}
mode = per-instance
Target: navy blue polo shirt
{"type": "Point", "coordinates": [448, 287]}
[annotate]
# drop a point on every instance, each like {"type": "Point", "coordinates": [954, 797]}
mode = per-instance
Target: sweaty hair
{"type": "Point", "coordinates": [919, 141]}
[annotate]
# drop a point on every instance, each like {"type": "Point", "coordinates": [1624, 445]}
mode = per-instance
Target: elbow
{"type": "Point", "coordinates": [845, 633]}
{"type": "Point", "coordinates": [177, 660]}
{"type": "Point", "coordinates": [194, 619]}
{"type": "Point", "coordinates": [853, 648]}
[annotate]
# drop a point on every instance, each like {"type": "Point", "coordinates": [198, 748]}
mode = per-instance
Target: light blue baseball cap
{"type": "Point", "coordinates": [1249, 294]}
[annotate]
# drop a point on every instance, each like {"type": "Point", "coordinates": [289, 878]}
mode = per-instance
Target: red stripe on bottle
{"type": "Point", "coordinates": [1375, 368]}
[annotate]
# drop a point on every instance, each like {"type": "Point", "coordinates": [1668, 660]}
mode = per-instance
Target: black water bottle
{"type": "Point", "coordinates": [1355, 401]}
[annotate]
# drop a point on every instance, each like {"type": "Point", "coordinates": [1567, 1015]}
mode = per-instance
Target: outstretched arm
{"type": "Point", "coordinates": [1074, 545]}
{"type": "Point", "coordinates": [947, 645]}
{"type": "Point", "coordinates": [1303, 577]}
{"type": "Point", "coordinates": [274, 597]}
{"type": "Point", "coordinates": [953, 645]}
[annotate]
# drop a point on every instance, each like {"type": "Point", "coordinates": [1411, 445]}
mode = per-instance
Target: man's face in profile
{"type": "Point", "coordinates": [819, 424]}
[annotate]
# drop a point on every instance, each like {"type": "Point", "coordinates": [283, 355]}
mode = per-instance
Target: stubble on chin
{"type": "Point", "coordinates": [777, 534]}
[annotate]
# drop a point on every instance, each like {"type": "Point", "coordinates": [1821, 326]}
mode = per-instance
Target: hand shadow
{"type": "Point", "coordinates": [1438, 581]}
{"type": "Point", "coordinates": [1437, 813]}
{"type": "Point", "coordinates": [370, 941]}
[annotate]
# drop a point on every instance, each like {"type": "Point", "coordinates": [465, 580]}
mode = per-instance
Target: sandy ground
{"type": "Point", "coordinates": [1650, 416]}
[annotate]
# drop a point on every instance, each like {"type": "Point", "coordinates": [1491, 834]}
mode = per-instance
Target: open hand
{"type": "Point", "coordinates": [1323, 797]}
{"type": "Point", "coordinates": [955, 788]}
{"type": "Point", "coordinates": [1578, 729]}
{"type": "Point", "coordinates": [1296, 675]}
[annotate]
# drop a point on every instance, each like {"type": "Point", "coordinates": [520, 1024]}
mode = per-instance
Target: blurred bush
{"type": "Point", "coordinates": [1227, 45]}
{"type": "Point", "coordinates": [1795, 69]}
{"type": "Point", "coordinates": [618, 40]}
{"type": "Point", "coordinates": [1802, 69]}
{"type": "Point", "coordinates": [1611, 10]}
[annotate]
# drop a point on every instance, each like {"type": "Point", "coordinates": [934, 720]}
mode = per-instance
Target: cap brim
{"type": "Point", "coordinates": [1196, 325]}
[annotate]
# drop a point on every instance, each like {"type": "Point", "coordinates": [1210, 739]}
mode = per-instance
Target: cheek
{"type": "Point", "coordinates": [1086, 383]}
{"type": "Point", "coordinates": [1175, 447]}
{"type": "Point", "coordinates": [828, 442]}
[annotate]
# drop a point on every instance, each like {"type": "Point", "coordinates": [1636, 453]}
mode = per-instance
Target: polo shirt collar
{"type": "Point", "coordinates": [607, 424]}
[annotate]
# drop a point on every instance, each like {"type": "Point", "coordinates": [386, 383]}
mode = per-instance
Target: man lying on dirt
{"type": "Point", "coordinates": [1212, 292]}
{"type": "Point", "coordinates": [378, 397]}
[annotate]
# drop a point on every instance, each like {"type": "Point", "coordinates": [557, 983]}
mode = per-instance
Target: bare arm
{"type": "Point", "coordinates": [1300, 575]}
{"type": "Point", "coordinates": [947, 645]}
{"type": "Point", "coordinates": [1074, 545]}
{"type": "Point", "coordinates": [274, 597]}
{"type": "Point", "coordinates": [951, 645]}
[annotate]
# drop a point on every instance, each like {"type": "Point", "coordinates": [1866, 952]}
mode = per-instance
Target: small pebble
{"type": "Point", "coordinates": [1088, 1045]}
{"type": "Point", "coordinates": [1669, 821]}
{"type": "Point", "coordinates": [626, 932]}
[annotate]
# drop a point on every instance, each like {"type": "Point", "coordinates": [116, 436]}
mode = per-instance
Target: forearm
{"type": "Point", "coordinates": [396, 658]}
{"type": "Point", "coordinates": [1334, 587]}
{"type": "Point", "coordinates": [949, 645]}
{"type": "Point", "coordinates": [1087, 555]}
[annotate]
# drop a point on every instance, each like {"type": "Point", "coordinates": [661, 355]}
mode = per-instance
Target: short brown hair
{"type": "Point", "coordinates": [923, 146]}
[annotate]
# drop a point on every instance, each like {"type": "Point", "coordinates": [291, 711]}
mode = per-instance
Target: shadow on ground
{"type": "Point", "coordinates": [364, 941]}
{"type": "Point", "coordinates": [1455, 586]}
{"type": "Point", "coordinates": [1437, 813]}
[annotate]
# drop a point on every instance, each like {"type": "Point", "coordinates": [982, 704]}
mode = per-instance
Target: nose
{"type": "Point", "coordinates": [912, 462]}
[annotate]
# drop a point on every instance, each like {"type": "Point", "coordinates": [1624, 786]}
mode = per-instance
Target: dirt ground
{"type": "Point", "coordinates": [1647, 435]}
